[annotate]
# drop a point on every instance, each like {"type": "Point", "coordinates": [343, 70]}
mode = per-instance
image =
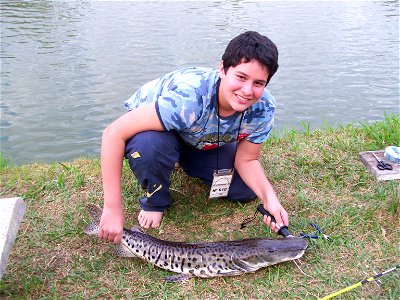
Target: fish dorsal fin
{"type": "Point", "coordinates": [137, 229]}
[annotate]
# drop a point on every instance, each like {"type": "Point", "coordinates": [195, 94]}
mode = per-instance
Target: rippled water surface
{"type": "Point", "coordinates": [67, 67]}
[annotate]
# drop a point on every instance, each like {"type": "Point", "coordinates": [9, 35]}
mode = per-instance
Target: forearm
{"type": "Point", "coordinates": [112, 151]}
{"type": "Point", "coordinates": [254, 176]}
{"type": "Point", "coordinates": [252, 173]}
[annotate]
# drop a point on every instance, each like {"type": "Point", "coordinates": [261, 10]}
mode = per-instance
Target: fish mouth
{"type": "Point", "coordinates": [300, 253]}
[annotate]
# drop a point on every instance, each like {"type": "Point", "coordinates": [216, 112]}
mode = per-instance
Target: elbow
{"type": "Point", "coordinates": [107, 132]}
{"type": "Point", "coordinates": [243, 162]}
{"type": "Point", "coordinates": [111, 134]}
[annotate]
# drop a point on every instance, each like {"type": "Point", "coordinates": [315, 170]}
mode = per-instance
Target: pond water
{"type": "Point", "coordinates": [67, 66]}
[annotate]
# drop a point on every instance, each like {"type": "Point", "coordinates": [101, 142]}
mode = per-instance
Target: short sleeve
{"type": "Point", "coordinates": [178, 107]}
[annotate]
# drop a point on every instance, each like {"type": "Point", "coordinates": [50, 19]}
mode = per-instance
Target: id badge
{"type": "Point", "coordinates": [221, 183]}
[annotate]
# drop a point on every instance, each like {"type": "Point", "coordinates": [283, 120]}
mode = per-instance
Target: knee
{"type": "Point", "coordinates": [147, 148]}
{"type": "Point", "coordinates": [139, 149]}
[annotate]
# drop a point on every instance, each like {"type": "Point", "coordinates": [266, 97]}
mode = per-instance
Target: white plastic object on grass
{"type": "Point", "coordinates": [393, 153]}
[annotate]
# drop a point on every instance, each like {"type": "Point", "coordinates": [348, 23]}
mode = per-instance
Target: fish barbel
{"type": "Point", "coordinates": [203, 259]}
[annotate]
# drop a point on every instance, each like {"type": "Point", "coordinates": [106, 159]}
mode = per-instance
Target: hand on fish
{"type": "Point", "coordinates": [111, 225]}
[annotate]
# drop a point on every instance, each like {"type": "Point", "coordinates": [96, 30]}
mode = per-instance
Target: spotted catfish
{"type": "Point", "coordinates": [203, 259]}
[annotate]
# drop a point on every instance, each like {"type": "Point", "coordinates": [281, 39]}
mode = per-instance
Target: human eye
{"type": "Point", "coordinates": [240, 77]}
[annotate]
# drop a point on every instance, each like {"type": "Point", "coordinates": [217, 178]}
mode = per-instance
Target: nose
{"type": "Point", "coordinates": [247, 89]}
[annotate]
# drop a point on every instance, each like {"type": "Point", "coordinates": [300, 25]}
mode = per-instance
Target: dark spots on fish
{"type": "Point", "coordinates": [202, 272]}
{"type": "Point", "coordinates": [189, 264]}
{"type": "Point", "coordinates": [176, 265]}
{"type": "Point", "coordinates": [137, 250]}
{"type": "Point", "coordinates": [194, 259]}
{"type": "Point", "coordinates": [158, 258]}
{"type": "Point", "coordinates": [153, 257]}
{"type": "Point", "coordinates": [197, 267]}
{"type": "Point", "coordinates": [183, 263]}
{"type": "Point", "coordinates": [214, 265]}
{"type": "Point", "coordinates": [144, 253]}
{"type": "Point", "coordinates": [165, 263]}
{"type": "Point", "coordinates": [191, 271]}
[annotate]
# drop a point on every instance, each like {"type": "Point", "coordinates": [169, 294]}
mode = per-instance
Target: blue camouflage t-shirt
{"type": "Point", "coordinates": [186, 101]}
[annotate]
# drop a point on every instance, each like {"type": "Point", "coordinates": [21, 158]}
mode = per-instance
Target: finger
{"type": "Point", "coordinates": [285, 218]}
{"type": "Point", "coordinates": [110, 237]}
{"type": "Point", "coordinates": [270, 224]}
{"type": "Point", "coordinates": [274, 227]}
{"type": "Point", "coordinates": [279, 221]}
{"type": "Point", "coordinates": [117, 238]}
{"type": "Point", "coordinates": [100, 234]}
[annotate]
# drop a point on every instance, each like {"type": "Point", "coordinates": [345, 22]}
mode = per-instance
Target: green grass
{"type": "Point", "coordinates": [317, 175]}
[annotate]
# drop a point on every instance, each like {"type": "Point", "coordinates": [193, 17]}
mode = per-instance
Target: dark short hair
{"type": "Point", "coordinates": [248, 46]}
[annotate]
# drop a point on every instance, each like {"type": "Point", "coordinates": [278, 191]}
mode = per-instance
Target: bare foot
{"type": "Point", "coordinates": [149, 219]}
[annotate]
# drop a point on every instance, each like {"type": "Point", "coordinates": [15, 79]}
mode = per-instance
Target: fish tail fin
{"type": "Point", "coordinates": [95, 213]}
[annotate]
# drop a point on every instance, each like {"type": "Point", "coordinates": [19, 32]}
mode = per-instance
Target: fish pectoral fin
{"type": "Point", "coordinates": [123, 251]}
{"type": "Point", "coordinates": [178, 278]}
{"type": "Point", "coordinates": [91, 229]}
{"type": "Point", "coordinates": [242, 264]}
{"type": "Point", "coordinates": [94, 211]}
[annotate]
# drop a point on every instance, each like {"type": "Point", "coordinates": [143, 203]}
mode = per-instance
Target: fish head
{"type": "Point", "coordinates": [285, 249]}
{"type": "Point", "coordinates": [260, 253]}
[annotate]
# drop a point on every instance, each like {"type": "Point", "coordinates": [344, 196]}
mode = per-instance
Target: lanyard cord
{"type": "Point", "coordinates": [237, 137]}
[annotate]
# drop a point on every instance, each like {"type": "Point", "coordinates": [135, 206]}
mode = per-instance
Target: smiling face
{"type": "Point", "coordinates": [241, 86]}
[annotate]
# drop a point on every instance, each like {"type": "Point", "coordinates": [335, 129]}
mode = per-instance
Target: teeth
{"type": "Point", "coordinates": [241, 98]}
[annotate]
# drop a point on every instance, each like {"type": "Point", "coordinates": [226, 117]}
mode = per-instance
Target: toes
{"type": "Point", "coordinates": [156, 224]}
{"type": "Point", "coordinates": [149, 219]}
{"type": "Point", "coordinates": [146, 223]}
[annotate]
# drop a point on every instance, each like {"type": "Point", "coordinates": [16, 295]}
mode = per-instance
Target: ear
{"type": "Point", "coordinates": [221, 69]}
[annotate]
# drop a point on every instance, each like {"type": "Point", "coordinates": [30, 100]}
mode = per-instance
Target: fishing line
{"type": "Point", "coordinates": [360, 283]}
